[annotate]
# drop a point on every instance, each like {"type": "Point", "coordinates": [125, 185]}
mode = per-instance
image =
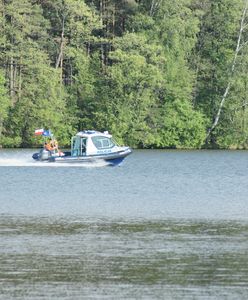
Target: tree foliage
{"type": "Point", "coordinates": [151, 72]}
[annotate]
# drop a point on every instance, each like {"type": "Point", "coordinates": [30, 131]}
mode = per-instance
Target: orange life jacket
{"type": "Point", "coordinates": [48, 147]}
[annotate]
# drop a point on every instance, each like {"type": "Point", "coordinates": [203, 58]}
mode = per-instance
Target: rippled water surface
{"type": "Point", "coordinates": [164, 225]}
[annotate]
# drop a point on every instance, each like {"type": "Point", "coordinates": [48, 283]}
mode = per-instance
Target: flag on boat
{"type": "Point", "coordinates": [39, 131]}
{"type": "Point", "coordinates": [47, 133]}
{"type": "Point", "coordinates": [43, 132]}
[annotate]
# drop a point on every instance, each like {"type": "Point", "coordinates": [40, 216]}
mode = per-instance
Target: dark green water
{"type": "Point", "coordinates": [164, 225]}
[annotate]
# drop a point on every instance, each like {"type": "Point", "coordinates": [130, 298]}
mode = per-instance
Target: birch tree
{"type": "Point", "coordinates": [241, 43]}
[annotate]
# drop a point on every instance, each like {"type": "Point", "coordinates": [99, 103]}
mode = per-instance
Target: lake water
{"type": "Point", "coordinates": [163, 225]}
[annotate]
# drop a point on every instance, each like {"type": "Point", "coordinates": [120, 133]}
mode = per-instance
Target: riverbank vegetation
{"type": "Point", "coordinates": [155, 73]}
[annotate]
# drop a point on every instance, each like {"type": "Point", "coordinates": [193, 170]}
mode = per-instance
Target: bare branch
{"type": "Point", "coordinates": [243, 45]}
{"type": "Point", "coordinates": [244, 26]}
{"type": "Point", "coordinates": [154, 5]}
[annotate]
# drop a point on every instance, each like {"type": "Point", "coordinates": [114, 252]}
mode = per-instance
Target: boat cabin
{"type": "Point", "coordinates": [92, 142]}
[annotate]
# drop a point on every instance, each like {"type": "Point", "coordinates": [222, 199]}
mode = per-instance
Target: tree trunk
{"type": "Point", "coordinates": [102, 46]}
{"type": "Point", "coordinates": [60, 58]}
{"type": "Point", "coordinates": [11, 79]}
{"type": "Point", "coordinates": [20, 82]}
{"type": "Point", "coordinates": [154, 5]}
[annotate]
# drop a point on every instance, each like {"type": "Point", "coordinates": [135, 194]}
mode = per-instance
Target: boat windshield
{"type": "Point", "coordinates": [103, 142]}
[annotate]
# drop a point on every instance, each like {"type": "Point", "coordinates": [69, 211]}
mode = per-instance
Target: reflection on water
{"type": "Point", "coordinates": [70, 258]}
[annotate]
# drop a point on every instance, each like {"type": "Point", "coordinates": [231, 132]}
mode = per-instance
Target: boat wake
{"type": "Point", "coordinates": [23, 158]}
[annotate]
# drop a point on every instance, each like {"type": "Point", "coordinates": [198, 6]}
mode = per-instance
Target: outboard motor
{"type": "Point", "coordinates": [44, 154]}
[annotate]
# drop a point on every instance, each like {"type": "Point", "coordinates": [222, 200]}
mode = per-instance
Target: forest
{"type": "Point", "coordinates": [154, 73]}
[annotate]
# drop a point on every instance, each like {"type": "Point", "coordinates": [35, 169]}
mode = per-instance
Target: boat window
{"type": "Point", "coordinates": [102, 142]}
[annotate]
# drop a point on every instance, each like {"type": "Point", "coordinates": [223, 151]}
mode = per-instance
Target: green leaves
{"type": "Point", "coordinates": [150, 72]}
{"type": "Point", "coordinates": [182, 127]}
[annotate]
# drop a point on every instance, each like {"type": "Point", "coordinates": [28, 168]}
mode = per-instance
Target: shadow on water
{"type": "Point", "coordinates": [173, 259]}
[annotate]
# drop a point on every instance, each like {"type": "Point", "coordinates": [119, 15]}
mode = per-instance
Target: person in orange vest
{"type": "Point", "coordinates": [52, 147]}
{"type": "Point", "coordinates": [48, 146]}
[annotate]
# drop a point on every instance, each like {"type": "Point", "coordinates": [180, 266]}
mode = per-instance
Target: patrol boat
{"type": "Point", "coordinates": [88, 146]}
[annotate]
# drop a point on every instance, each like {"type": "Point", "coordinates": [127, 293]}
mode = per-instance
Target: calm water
{"type": "Point", "coordinates": [164, 225]}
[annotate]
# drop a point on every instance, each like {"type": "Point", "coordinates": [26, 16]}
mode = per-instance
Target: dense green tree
{"type": "Point", "coordinates": [72, 48]}
{"type": "Point", "coordinates": [135, 98]}
{"type": "Point", "coordinates": [132, 87]}
{"type": "Point", "coordinates": [22, 32]}
{"type": "Point", "coordinates": [33, 85]}
{"type": "Point", "coordinates": [174, 25]}
{"type": "Point", "coordinates": [72, 23]}
{"type": "Point", "coordinates": [46, 103]}
{"type": "Point", "coordinates": [153, 72]}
